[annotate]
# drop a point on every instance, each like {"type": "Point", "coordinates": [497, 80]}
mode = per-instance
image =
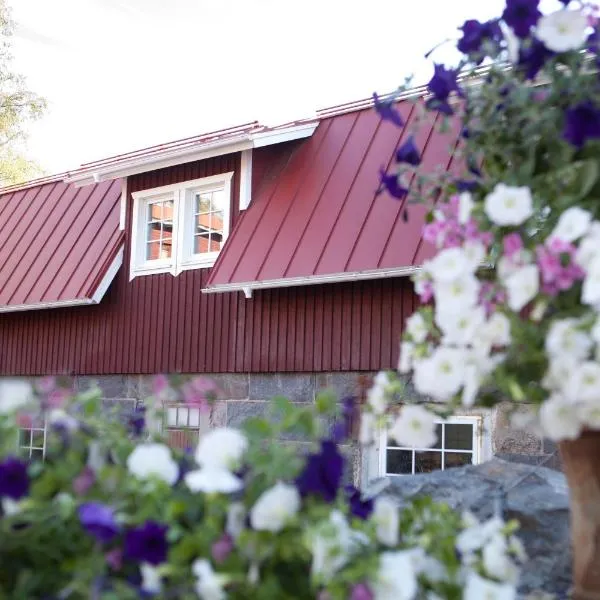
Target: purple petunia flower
{"type": "Point", "coordinates": [14, 481]}
{"type": "Point", "coordinates": [582, 122]}
{"type": "Point", "coordinates": [409, 153]}
{"type": "Point", "coordinates": [385, 109]}
{"type": "Point", "coordinates": [359, 507]}
{"type": "Point", "coordinates": [475, 33]}
{"type": "Point", "coordinates": [98, 520]}
{"type": "Point", "coordinates": [390, 183]}
{"type": "Point", "coordinates": [533, 58]}
{"type": "Point", "coordinates": [466, 185]}
{"type": "Point", "coordinates": [147, 543]}
{"type": "Point", "coordinates": [322, 475]}
{"type": "Point", "coordinates": [222, 548]}
{"type": "Point", "coordinates": [443, 82]}
{"type": "Point", "coordinates": [521, 16]}
{"type": "Point", "coordinates": [361, 591]}
{"type": "Point", "coordinates": [137, 421]}
{"type": "Point", "coordinates": [343, 428]}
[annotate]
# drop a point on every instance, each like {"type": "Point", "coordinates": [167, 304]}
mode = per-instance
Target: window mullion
{"type": "Point", "coordinates": [180, 198]}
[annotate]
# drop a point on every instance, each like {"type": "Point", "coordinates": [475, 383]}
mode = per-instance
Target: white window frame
{"type": "Point", "coordinates": [477, 451]}
{"type": "Point", "coordinates": [182, 195]}
{"type": "Point", "coordinates": [26, 446]}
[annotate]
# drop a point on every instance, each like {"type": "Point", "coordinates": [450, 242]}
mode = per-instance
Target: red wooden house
{"type": "Point", "coordinates": [258, 256]}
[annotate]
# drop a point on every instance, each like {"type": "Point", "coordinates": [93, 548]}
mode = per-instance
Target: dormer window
{"type": "Point", "coordinates": [181, 226]}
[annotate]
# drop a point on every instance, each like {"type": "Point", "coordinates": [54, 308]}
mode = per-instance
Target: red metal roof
{"type": "Point", "coordinates": [59, 245]}
{"type": "Point", "coordinates": [319, 219]}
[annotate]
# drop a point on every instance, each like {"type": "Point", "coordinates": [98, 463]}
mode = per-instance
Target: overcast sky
{"type": "Point", "coordinates": [124, 74]}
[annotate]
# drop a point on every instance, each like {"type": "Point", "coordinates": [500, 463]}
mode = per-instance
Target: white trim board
{"type": "Point", "coordinates": [201, 151]}
{"type": "Point", "coordinates": [95, 299]}
{"type": "Point", "coordinates": [248, 286]}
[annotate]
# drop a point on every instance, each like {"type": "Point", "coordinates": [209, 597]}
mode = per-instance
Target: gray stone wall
{"type": "Point", "coordinates": [244, 395]}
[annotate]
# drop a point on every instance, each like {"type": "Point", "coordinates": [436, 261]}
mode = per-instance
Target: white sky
{"type": "Point", "coordinates": [124, 74]}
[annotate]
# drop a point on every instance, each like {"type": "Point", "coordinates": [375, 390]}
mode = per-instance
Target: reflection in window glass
{"type": "Point", "coordinates": [159, 230]}
{"type": "Point", "coordinates": [208, 221]}
{"type": "Point", "coordinates": [454, 448]}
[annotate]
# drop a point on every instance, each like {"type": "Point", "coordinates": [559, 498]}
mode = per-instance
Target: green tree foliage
{"type": "Point", "coordinates": [18, 106]}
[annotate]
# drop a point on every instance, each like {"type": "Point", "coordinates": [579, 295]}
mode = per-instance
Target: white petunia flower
{"type": "Point", "coordinates": [10, 507]}
{"type": "Point", "coordinates": [565, 340]}
{"type": "Point", "coordinates": [507, 205]}
{"type": "Point", "coordinates": [584, 383]}
{"type": "Point", "coordinates": [417, 328]}
{"type": "Point", "coordinates": [595, 332]}
{"type": "Point", "coordinates": [475, 253]}
{"type": "Point", "coordinates": [590, 292]}
{"type": "Point", "coordinates": [563, 30]}
{"type": "Point", "coordinates": [415, 427]}
{"type": "Point", "coordinates": [331, 545]}
{"type": "Point", "coordinates": [209, 585]}
{"type": "Point", "coordinates": [449, 264]}
{"type": "Point", "coordinates": [387, 521]}
{"type": "Point", "coordinates": [212, 480]}
{"type": "Point", "coordinates": [473, 379]}
{"type": "Point", "coordinates": [497, 561]}
{"type": "Point", "coordinates": [377, 394]}
{"type": "Point", "coordinates": [236, 517]}
{"type": "Point", "coordinates": [513, 44]}
{"type": "Point", "coordinates": [497, 330]}
{"type": "Point", "coordinates": [572, 224]}
{"type": "Point", "coordinates": [221, 448]}
{"type": "Point", "coordinates": [559, 373]}
{"type": "Point", "coordinates": [460, 294]}
{"type": "Point", "coordinates": [559, 419]}
{"type": "Point", "coordinates": [151, 580]}
{"type": "Point", "coordinates": [367, 428]}
{"type": "Point", "coordinates": [522, 286]}
{"type": "Point", "coordinates": [442, 374]}
{"type": "Point", "coordinates": [477, 534]}
{"type": "Point", "coordinates": [14, 394]}
{"type": "Point", "coordinates": [405, 360]}
{"type": "Point", "coordinates": [153, 460]}
{"type": "Point", "coordinates": [459, 327]}
{"type": "Point", "coordinates": [396, 578]}
{"type": "Point", "coordinates": [478, 588]}
{"type": "Point", "coordinates": [589, 246]}
{"type": "Point", "coordinates": [588, 414]}
{"type": "Point", "coordinates": [465, 207]}
{"type": "Point", "coordinates": [275, 507]}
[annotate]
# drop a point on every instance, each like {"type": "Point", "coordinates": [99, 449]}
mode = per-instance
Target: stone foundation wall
{"type": "Point", "coordinates": [247, 395]}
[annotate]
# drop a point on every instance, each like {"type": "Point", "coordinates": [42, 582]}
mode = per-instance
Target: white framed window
{"type": "Point", "coordinates": [32, 441]}
{"type": "Point", "coordinates": [181, 226]}
{"type": "Point", "coordinates": [459, 443]}
{"type": "Point", "coordinates": [183, 425]}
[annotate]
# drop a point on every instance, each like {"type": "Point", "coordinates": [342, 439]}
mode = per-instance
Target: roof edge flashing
{"type": "Point", "coordinates": [200, 151]}
{"type": "Point", "coordinates": [249, 286]}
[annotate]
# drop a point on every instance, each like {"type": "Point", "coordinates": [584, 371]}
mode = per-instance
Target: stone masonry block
{"type": "Point", "coordinates": [218, 414]}
{"type": "Point", "coordinates": [239, 411]}
{"type": "Point", "coordinates": [298, 387]}
{"type": "Point", "coordinates": [231, 386]}
{"type": "Point", "coordinates": [509, 440]}
{"type": "Point", "coordinates": [112, 386]}
{"type": "Point", "coordinates": [341, 384]}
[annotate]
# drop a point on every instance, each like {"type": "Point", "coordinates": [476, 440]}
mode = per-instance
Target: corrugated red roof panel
{"type": "Point", "coordinates": [57, 243]}
{"type": "Point", "coordinates": [321, 217]}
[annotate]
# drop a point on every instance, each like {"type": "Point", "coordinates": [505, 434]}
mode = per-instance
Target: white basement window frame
{"type": "Point", "coordinates": [181, 218]}
{"type": "Point", "coordinates": [32, 441]}
{"type": "Point", "coordinates": [448, 453]}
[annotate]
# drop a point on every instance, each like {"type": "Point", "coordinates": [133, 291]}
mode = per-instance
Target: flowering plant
{"type": "Point", "coordinates": [113, 512]}
{"type": "Point", "coordinates": [511, 298]}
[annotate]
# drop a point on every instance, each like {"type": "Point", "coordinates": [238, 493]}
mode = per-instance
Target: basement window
{"type": "Point", "coordinates": [179, 227]}
{"type": "Point", "coordinates": [458, 444]}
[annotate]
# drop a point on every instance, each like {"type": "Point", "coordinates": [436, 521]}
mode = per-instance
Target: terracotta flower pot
{"type": "Point", "coordinates": [581, 463]}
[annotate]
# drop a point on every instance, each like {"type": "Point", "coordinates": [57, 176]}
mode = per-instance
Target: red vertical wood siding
{"type": "Point", "coordinates": [161, 323]}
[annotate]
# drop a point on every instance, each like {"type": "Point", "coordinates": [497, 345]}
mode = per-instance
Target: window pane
{"type": "Point", "coordinates": [216, 222]}
{"type": "Point", "coordinates": [399, 461]}
{"type": "Point", "coordinates": [37, 454]}
{"type": "Point", "coordinates": [201, 243]}
{"type": "Point", "coordinates": [218, 200]}
{"type": "Point", "coordinates": [459, 436]}
{"type": "Point", "coordinates": [203, 203]}
{"type": "Point", "coordinates": [37, 438]}
{"type": "Point", "coordinates": [153, 250]}
{"type": "Point", "coordinates": [425, 462]}
{"type": "Point", "coordinates": [154, 232]}
{"type": "Point", "coordinates": [166, 248]}
{"type": "Point", "coordinates": [172, 416]}
{"type": "Point", "coordinates": [182, 417]}
{"type": "Point", "coordinates": [194, 417]}
{"type": "Point", "coordinates": [457, 459]}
